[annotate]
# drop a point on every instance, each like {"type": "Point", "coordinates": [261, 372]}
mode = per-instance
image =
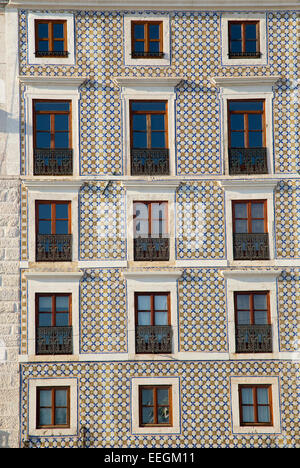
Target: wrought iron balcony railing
{"type": "Point", "coordinates": [153, 339]}
{"type": "Point", "coordinates": [150, 161]}
{"type": "Point", "coordinates": [251, 246]}
{"type": "Point", "coordinates": [244, 54]}
{"type": "Point", "coordinates": [136, 54]}
{"type": "Point", "coordinates": [54, 340]}
{"type": "Point", "coordinates": [52, 53]}
{"type": "Point", "coordinates": [54, 248]}
{"type": "Point", "coordinates": [247, 161]}
{"type": "Point", "coordinates": [53, 161]}
{"type": "Point", "coordinates": [151, 248]}
{"type": "Point", "coordinates": [253, 338]}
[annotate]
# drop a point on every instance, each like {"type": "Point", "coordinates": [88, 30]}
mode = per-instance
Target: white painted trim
{"type": "Point", "coordinates": [234, 81]}
{"type": "Point", "coordinates": [128, 59]}
{"type": "Point", "coordinates": [46, 81]}
{"type": "Point", "coordinates": [32, 59]}
{"type": "Point", "coordinates": [236, 427]}
{"type": "Point", "coordinates": [151, 282]}
{"type": "Point", "coordinates": [152, 275]}
{"type": "Point", "coordinates": [243, 280]}
{"type": "Point", "coordinates": [32, 406]}
{"type": "Point", "coordinates": [136, 382]}
{"type": "Point", "coordinates": [52, 282]}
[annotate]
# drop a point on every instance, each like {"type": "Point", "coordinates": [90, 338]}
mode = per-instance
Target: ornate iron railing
{"type": "Point", "coordinates": [251, 246]}
{"type": "Point", "coordinates": [54, 340]}
{"type": "Point", "coordinates": [53, 161]}
{"type": "Point", "coordinates": [136, 54]}
{"type": "Point", "coordinates": [153, 339]}
{"type": "Point", "coordinates": [54, 248]}
{"type": "Point", "coordinates": [253, 338]}
{"type": "Point", "coordinates": [150, 161]}
{"type": "Point", "coordinates": [149, 248]}
{"type": "Point", "coordinates": [52, 53]}
{"type": "Point", "coordinates": [244, 54]}
{"type": "Point", "coordinates": [247, 161]}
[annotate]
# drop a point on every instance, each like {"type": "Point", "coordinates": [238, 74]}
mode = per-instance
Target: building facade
{"type": "Point", "coordinates": [150, 200]}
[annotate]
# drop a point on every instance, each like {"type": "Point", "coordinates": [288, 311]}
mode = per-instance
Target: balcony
{"type": "Point", "coordinates": [150, 161]}
{"type": "Point", "coordinates": [54, 248]}
{"type": "Point", "coordinates": [153, 339]}
{"type": "Point", "coordinates": [251, 246]}
{"type": "Point", "coordinates": [51, 53]}
{"type": "Point", "coordinates": [151, 249]}
{"type": "Point", "coordinates": [253, 338]}
{"type": "Point", "coordinates": [54, 340]}
{"type": "Point", "coordinates": [243, 55]}
{"type": "Point", "coordinates": [54, 162]}
{"type": "Point", "coordinates": [247, 161]}
{"type": "Point", "coordinates": [142, 54]}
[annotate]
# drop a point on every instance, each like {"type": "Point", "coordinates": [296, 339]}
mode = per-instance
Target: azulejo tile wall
{"type": "Point", "coordinates": [104, 403]}
{"type": "Point", "coordinates": [287, 213]}
{"type": "Point", "coordinates": [196, 56]}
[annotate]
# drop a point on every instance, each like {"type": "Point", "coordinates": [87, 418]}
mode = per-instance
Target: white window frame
{"type": "Point", "coordinates": [32, 59]}
{"type": "Point", "coordinates": [174, 382]}
{"type": "Point", "coordinates": [150, 191]}
{"type": "Point", "coordinates": [33, 384]}
{"type": "Point", "coordinates": [50, 88]}
{"type": "Point", "coordinates": [159, 89]}
{"type": "Point", "coordinates": [247, 280]}
{"type": "Point", "coordinates": [52, 282]}
{"type": "Point", "coordinates": [141, 281]}
{"type": "Point", "coordinates": [244, 88]}
{"type": "Point", "coordinates": [235, 381]}
{"type": "Point", "coordinates": [56, 190]}
{"type": "Point", "coordinates": [128, 59]}
{"type": "Point", "coordinates": [244, 16]}
{"type": "Point", "coordinates": [249, 190]}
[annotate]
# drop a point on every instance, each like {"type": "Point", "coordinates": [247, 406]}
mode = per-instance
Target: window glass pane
{"type": "Point", "coordinates": [255, 121]}
{"type": "Point", "coordinates": [237, 122]}
{"type": "Point", "coordinates": [61, 122]}
{"type": "Point", "coordinates": [250, 30]}
{"type": "Point", "coordinates": [157, 139]}
{"type": "Point", "coordinates": [43, 122]}
{"type": "Point", "coordinates": [62, 320]}
{"type": "Point", "coordinates": [243, 301]}
{"type": "Point", "coordinates": [62, 227]}
{"type": "Point", "coordinates": [144, 303]}
{"type": "Point", "coordinates": [161, 302]}
{"type": "Point", "coordinates": [45, 417]}
{"type": "Point", "coordinates": [257, 210]}
{"type": "Point", "coordinates": [263, 414]}
{"type": "Point", "coordinates": [139, 46]}
{"type": "Point", "coordinates": [258, 226]}
{"type": "Point", "coordinates": [45, 397]}
{"type": "Point", "coordinates": [43, 140]}
{"type": "Point", "coordinates": [139, 122]}
{"type": "Point", "coordinates": [163, 415]}
{"type": "Point", "coordinates": [237, 140]}
{"type": "Point", "coordinates": [148, 106]}
{"type": "Point", "coordinates": [153, 31]}
{"type": "Point", "coordinates": [58, 30]}
{"type": "Point", "coordinates": [44, 227]}
{"type": "Point", "coordinates": [43, 30]}
{"type": "Point", "coordinates": [255, 139]}
{"type": "Point", "coordinates": [162, 396]}
{"type": "Point", "coordinates": [153, 46]}
{"type": "Point", "coordinates": [260, 317]}
{"type": "Point", "coordinates": [243, 317]}
{"type": "Point", "coordinates": [248, 414]}
{"type": "Point", "coordinates": [260, 301]}
{"type": "Point", "coordinates": [52, 106]}
{"type": "Point", "coordinates": [236, 46]}
{"type": "Point", "coordinates": [235, 31]}
{"type": "Point", "coordinates": [60, 416]}
{"type": "Point", "coordinates": [161, 318]}
{"type": "Point", "coordinates": [44, 210]}
{"type": "Point", "coordinates": [43, 46]}
{"type": "Point", "coordinates": [62, 303]}
{"type": "Point", "coordinates": [147, 396]}
{"type": "Point", "coordinates": [157, 122]}
{"type": "Point", "coordinates": [45, 320]}
{"type": "Point", "coordinates": [45, 303]}
{"type": "Point", "coordinates": [139, 31]}
{"type": "Point", "coordinates": [61, 210]}
{"type": "Point", "coordinates": [241, 227]}
{"type": "Point", "coordinates": [139, 140]}
{"type": "Point", "coordinates": [262, 396]}
{"type": "Point", "coordinates": [147, 416]}
{"type": "Point", "coordinates": [58, 46]}
{"type": "Point", "coordinates": [245, 105]}
{"type": "Point", "coordinates": [240, 210]}
{"type": "Point", "coordinates": [250, 46]}
{"type": "Point", "coordinates": [60, 398]}
{"type": "Point", "coordinates": [144, 318]}
{"type": "Point", "coordinates": [247, 396]}
{"type": "Point", "coordinates": [61, 140]}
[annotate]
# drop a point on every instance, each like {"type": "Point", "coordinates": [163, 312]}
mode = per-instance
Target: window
{"type": "Point", "coordinates": [147, 39]}
{"type": "Point", "coordinates": [153, 329]}
{"type": "Point", "coordinates": [52, 138]}
{"type": "Point", "coordinates": [255, 405]}
{"type": "Point", "coordinates": [149, 138]}
{"type": "Point", "coordinates": [53, 407]}
{"type": "Point", "coordinates": [243, 39]}
{"type": "Point", "coordinates": [155, 406]}
{"type": "Point", "coordinates": [247, 140]}
{"type": "Point", "coordinates": [53, 323]}
{"type": "Point", "coordinates": [250, 238]}
{"type": "Point", "coordinates": [252, 318]}
{"type": "Point", "coordinates": [51, 38]}
{"type": "Point", "coordinates": [53, 231]}
{"type": "Point", "coordinates": [151, 241]}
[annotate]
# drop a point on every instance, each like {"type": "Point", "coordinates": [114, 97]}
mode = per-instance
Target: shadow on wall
{"type": "Point", "coordinates": [4, 439]}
